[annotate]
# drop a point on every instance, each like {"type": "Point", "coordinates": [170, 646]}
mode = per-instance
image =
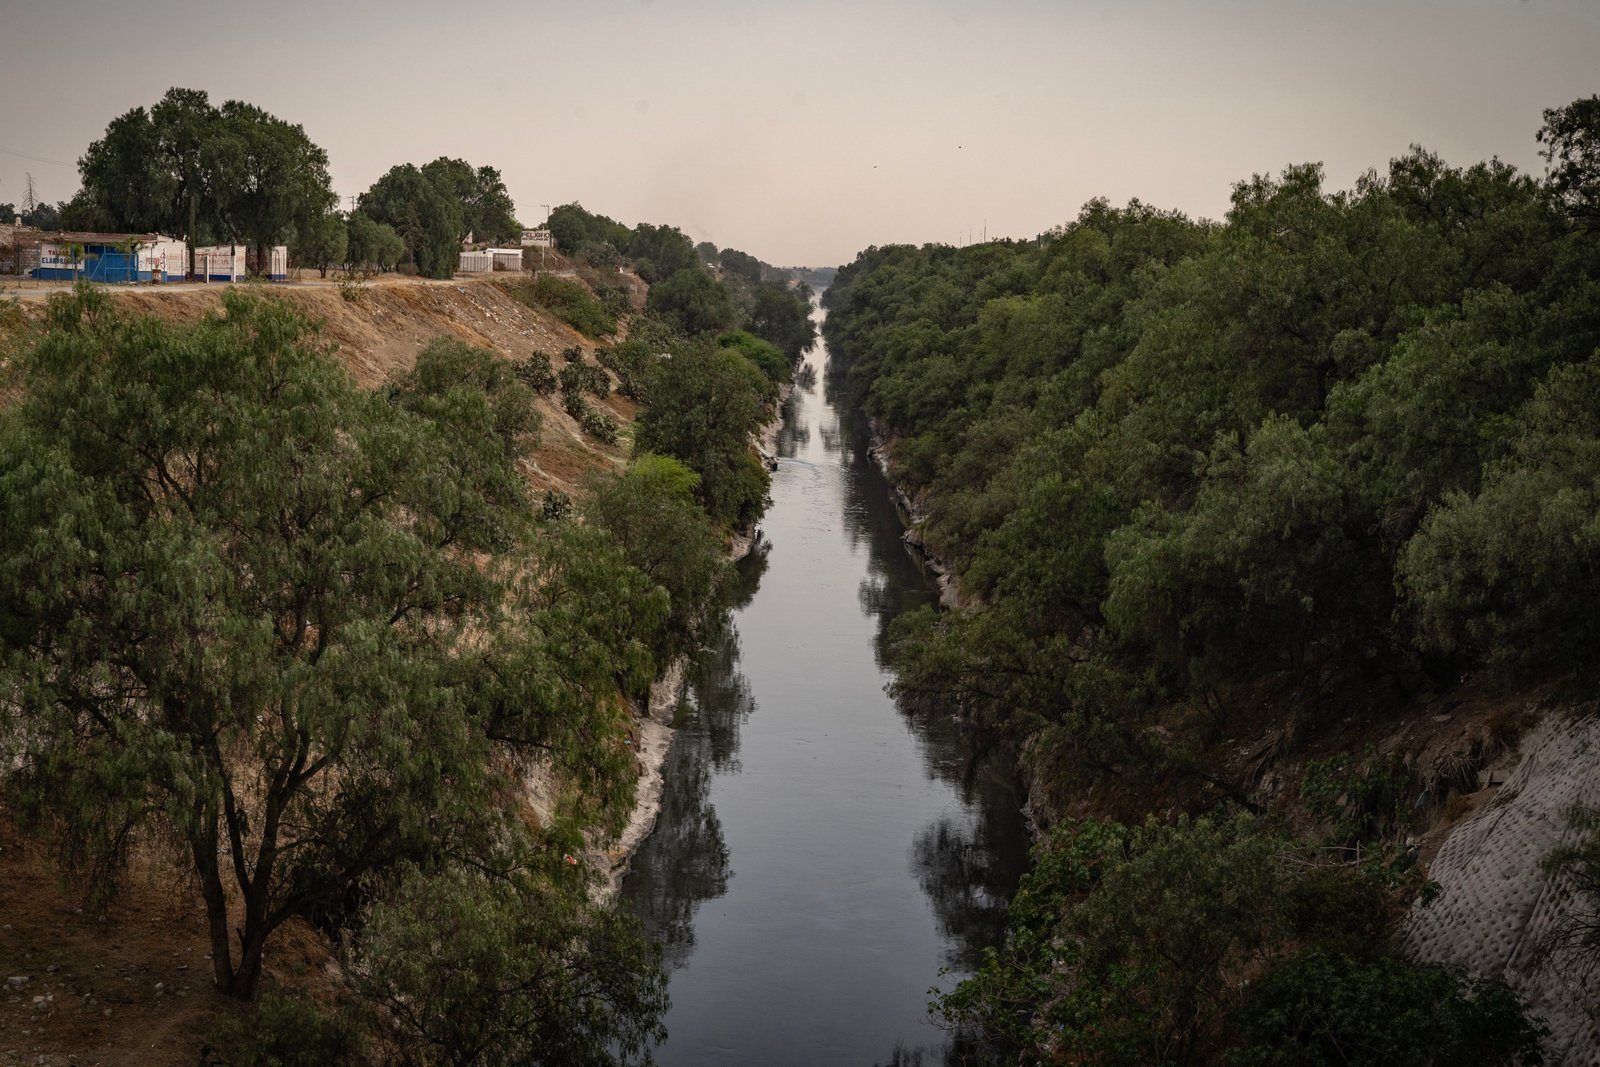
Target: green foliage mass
{"type": "Point", "coordinates": [434, 207]}
{"type": "Point", "coordinates": [628, 360]}
{"type": "Point", "coordinates": [188, 167]}
{"type": "Point", "coordinates": [782, 316]}
{"type": "Point", "coordinates": [704, 403]}
{"type": "Point", "coordinates": [1338, 432]}
{"type": "Point", "coordinates": [538, 373]}
{"type": "Point", "coordinates": [309, 638]}
{"type": "Point", "coordinates": [372, 246]}
{"type": "Point", "coordinates": [486, 208]}
{"type": "Point", "coordinates": [429, 221]}
{"type": "Point", "coordinates": [1336, 446]}
{"type": "Point", "coordinates": [280, 1030]}
{"type": "Point", "coordinates": [692, 301]}
{"type": "Point", "coordinates": [568, 301]}
{"type": "Point", "coordinates": [651, 511]}
{"type": "Point", "coordinates": [320, 242]}
{"type": "Point", "coordinates": [476, 970]}
{"type": "Point", "coordinates": [1130, 945]}
{"type": "Point", "coordinates": [764, 356]}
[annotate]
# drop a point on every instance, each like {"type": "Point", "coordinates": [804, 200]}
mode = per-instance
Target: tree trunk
{"type": "Point", "coordinates": [190, 236]}
{"type": "Point", "coordinates": [204, 846]}
{"type": "Point", "coordinates": [248, 977]}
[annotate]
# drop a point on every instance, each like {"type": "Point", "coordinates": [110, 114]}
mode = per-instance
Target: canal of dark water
{"type": "Point", "coordinates": [822, 857]}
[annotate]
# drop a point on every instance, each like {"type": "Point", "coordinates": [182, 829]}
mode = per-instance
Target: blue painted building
{"type": "Point", "coordinates": [110, 257]}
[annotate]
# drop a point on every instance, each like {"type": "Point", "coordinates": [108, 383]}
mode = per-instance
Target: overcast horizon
{"type": "Point", "coordinates": [804, 132]}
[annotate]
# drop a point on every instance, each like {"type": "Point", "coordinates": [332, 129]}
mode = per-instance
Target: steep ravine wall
{"type": "Point", "coordinates": [1497, 907]}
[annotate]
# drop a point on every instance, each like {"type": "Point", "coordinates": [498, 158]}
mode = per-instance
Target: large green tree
{"type": "Point", "coordinates": [704, 403]}
{"type": "Point", "coordinates": [429, 222]}
{"type": "Point", "coordinates": [320, 242]}
{"type": "Point", "coordinates": [651, 512]}
{"type": "Point", "coordinates": [266, 176]}
{"type": "Point", "coordinates": [372, 245]}
{"type": "Point", "coordinates": [297, 630]}
{"type": "Point", "coordinates": [486, 208]}
{"type": "Point", "coordinates": [189, 168]}
{"type": "Point", "coordinates": [693, 301]}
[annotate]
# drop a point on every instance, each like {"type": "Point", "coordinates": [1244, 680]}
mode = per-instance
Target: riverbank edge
{"type": "Point", "coordinates": [944, 578]}
{"type": "Point", "coordinates": [951, 598]}
{"type": "Point", "coordinates": [653, 723]}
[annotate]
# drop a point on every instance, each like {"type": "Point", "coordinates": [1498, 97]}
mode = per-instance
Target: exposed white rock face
{"type": "Point", "coordinates": [1498, 908]}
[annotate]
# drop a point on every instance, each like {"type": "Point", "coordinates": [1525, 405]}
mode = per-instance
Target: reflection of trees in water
{"type": "Point", "coordinates": [967, 868]}
{"type": "Point", "coordinates": [793, 433]}
{"type": "Point", "coordinates": [684, 861]}
{"type": "Point", "coordinates": [968, 864]}
{"type": "Point", "coordinates": [792, 438]}
{"type": "Point", "coordinates": [959, 1050]}
{"type": "Point", "coordinates": [722, 700]}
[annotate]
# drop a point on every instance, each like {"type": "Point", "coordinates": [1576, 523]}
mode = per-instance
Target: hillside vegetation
{"type": "Point", "coordinates": [1203, 482]}
{"type": "Point", "coordinates": [342, 620]}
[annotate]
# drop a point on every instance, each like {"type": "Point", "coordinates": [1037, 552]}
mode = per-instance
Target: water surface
{"type": "Point", "coordinates": [821, 856]}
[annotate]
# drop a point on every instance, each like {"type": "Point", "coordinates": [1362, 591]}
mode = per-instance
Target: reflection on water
{"type": "Point", "coordinates": [794, 434]}
{"type": "Point", "coordinates": [684, 861]}
{"type": "Point", "coordinates": [821, 854]}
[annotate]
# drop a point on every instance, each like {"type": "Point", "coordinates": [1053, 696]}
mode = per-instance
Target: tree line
{"type": "Point", "coordinates": [697, 288]}
{"type": "Point", "coordinates": [1329, 452]}
{"type": "Point", "coordinates": [236, 174]}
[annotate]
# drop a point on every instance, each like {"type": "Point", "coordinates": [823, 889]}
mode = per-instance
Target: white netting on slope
{"type": "Point", "coordinates": [1497, 908]}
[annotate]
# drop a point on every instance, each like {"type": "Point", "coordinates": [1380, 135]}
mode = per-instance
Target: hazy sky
{"type": "Point", "coordinates": [802, 132]}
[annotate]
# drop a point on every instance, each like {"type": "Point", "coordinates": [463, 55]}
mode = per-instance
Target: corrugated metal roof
{"type": "Point", "coordinates": [62, 237]}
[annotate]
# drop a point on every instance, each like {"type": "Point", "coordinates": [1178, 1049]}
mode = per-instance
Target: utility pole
{"type": "Point", "coordinates": [546, 228]}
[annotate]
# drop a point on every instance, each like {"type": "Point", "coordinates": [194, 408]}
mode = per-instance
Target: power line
{"type": "Point", "coordinates": [36, 159]}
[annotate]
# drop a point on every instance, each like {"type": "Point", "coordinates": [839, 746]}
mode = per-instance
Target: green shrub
{"type": "Point", "coordinates": [281, 1031]}
{"type": "Point", "coordinates": [580, 376]}
{"type": "Point", "coordinates": [1360, 801]}
{"type": "Point", "coordinates": [1320, 1008]}
{"type": "Point", "coordinates": [567, 301]}
{"type": "Point", "coordinates": [536, 371]}
{"type": "Point", "coordinates": [599, 425]}
{"type": "Point", "coordinates": [599, 254]}
{"type": "Point", "coordinates": [555, 506]}
{"type": "Point", "coordinates": [628, 361]}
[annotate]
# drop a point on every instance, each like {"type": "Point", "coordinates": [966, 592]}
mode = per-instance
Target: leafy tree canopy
{"type": "Point", "coordinates": [303, 633]}
{"type": "Point", "coordinates": [431, 223]}
{"type": "Point", "coordinates": [189, 168]}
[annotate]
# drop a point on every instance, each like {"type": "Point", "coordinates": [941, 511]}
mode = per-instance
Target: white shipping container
{"type": "Point", "coordinates": [278, 268]}
{"type": "Point", "coordinates": [471, 262]}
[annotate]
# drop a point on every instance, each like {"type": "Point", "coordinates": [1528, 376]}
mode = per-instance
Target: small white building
{"type": "Point", "coordinates": [505, 258]}
{"type": "Point", "coordinates": [475, 262]}
{"type": "Point", "coordinates": [219, 263]}
{"type": "Point", "coordinates": [277, 266]}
